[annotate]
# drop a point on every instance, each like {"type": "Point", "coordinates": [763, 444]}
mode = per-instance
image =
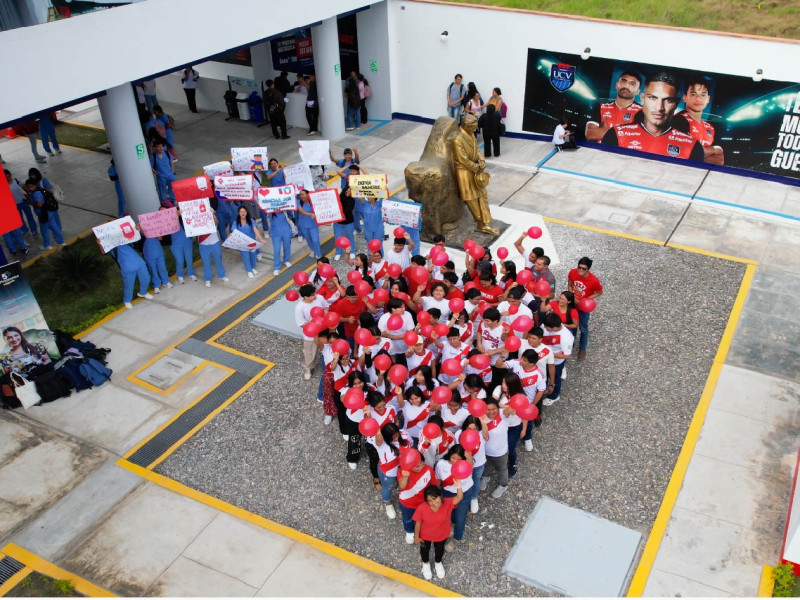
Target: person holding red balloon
{"type": "Point", "coordinates": [423, 379]}
{"type": "Point", "coordinates": [417, 354]}
{"type": "Point", "coordinates": [432, 527]}
{"type": "Point", "coordinates": [491, 293]}
{"type": "Point", "coordinates": [566, 308]}
{"type": "Point", "coordinates": [341, 366]}
{"type": "Point", "coordinates": [559, 339]}
{"type": "Point", "coordinates": [496, 423]}
{"type": "Point", "coordinates": [344, 228]}
{"type": "Point", "coordinates": [324, 340]}
{"type": "Point", "coordinates": [530, 257]}
{"type": "Point", "coordinates": [455, 465]}
{"type": "Point", "coordinates": [435, 300]}
{"type": "Point", "coordinates": [434, 440]}
{"type": "Point", "coordinates": [388, 442]}
{"type": "Point", "coordinates": [393, 325]}
{"type": "Point", "coordinates": [400, 254]}
{"type": "Point", "coordinates": [586, 287]}
{"type": "Point", "coordinates": [492, 332]}
{"type": "Point", "coordinates": [414, 477]}
{"type": "Point", "coordinates": [542, 284]}
{"type": "Point", "coordinates": [353, 402]}
{"type": "Point", "coordinates": [302, 316]}
{"type": "Point", "coordinates": [451, 281]}
{"type": "Point", "coordinates": [472, 437]}
{"type": "Point", "coordinates": [453, 413]}
{"type": "Point", "coordinates": [383, 414]}
{"type": "Point", "coordinates": [508, 276]}
{"type": "Point", "coordinates": [512, 385]}
{"type": "Point", "coordinates": [415, 409]}
{"type": "Point", "coordinates": [512, 309]}
{"type": "Point", "coordinates": [359, 264]}
{"type": "Point", "coordinates": [349, 308]}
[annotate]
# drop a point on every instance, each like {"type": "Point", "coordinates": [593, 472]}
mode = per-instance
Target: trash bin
{"type": "Point", "coordinates": [244, 109]}
{"type": "Point", "coordinates": [256, 107]}
{"type": "Point", "coordinates": [230, 104]}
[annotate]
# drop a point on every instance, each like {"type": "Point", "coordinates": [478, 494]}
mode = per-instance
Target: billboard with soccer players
{"type": "Point", "coordinates": [700, 116]}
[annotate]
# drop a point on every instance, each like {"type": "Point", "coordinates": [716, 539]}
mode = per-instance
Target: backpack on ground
{"type": "Point", "coordinates": [71, 370]}
{"type": "Point", "coordinates": [95, 372]}
{"type": "Point", "coordinates": [50, 202]}
{"type": "Point", "coordinates": [52, 386]}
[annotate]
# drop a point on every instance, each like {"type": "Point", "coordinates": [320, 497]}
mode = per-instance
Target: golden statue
{"type": "Point", "coordinates": [471, 175]}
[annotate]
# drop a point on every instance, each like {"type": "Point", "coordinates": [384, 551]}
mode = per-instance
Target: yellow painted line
{"type": "Point", "coordinates": [766, 584]}
{"type": "Point", "coordinates": [37, 563]}
{"type": "Point", "coordinates": [134, 378]}
{"type": "Point", "coordinates": [88, 125]}
{"type": "Point", "coordinates": [293, 534]}
{"type": "Point", "coordinates": [746, 261]}
{"type": "Point", "coordinates": [398, 190]}
{"type": "Point", "coordinates": [102, 321]}
{"type": "Point", "coordinates": [14, 580]}
{"type": "Point", "coordinates": [690, 442]}
{"type": "Point", "coordinates": [627, 236]}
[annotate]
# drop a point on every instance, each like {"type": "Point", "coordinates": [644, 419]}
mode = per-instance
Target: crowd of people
{"type": "Point", "coordinates": [438, 377]}
{"type": "Point", "coordinates": [490, 113]}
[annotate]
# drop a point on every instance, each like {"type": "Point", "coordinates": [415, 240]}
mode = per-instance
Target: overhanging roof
{"type": "Point", "coordinates": [56, 64]}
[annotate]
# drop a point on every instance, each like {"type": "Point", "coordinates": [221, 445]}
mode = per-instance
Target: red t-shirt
{"type": "Point", "coordinates": [672, 142]}
{"type": "Point", "coordinates": [454, 293]}
{"type": "Point", "coordinates": [584, 286]}
{"type": "Point", "coordinates": [345, 308]}
{"type": "Point", "coordinates": [490, 295]}
{"type": "Point", "coordinates": [702, 131]}
{"type": "Point", "coordinates": [435, 526]}
{"type": "Point", "coordinates": [563, 316]}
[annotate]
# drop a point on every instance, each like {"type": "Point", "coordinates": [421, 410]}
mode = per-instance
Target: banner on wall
{"type": "Point", "coordinates": [679, 113]}
{"type": "Point", "coordinates": [293, 52]}
{"type": "Point", "coordinates": [22, 320]}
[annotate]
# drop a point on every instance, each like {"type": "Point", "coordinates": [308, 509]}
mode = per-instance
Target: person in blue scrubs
{"type": "Point", "coordinates": [114, 176]}
{"type": "Point", "coordinates": [307, 224]}
{"type": "Point", "coordinates": [161, 163]}
{"type": "Point", "coordinates": [372, 210]}
{"type": "Point", "coordinates": [281, 240]}
{"type": "Point", "coordinates": [156, 263]}
{"type": "Point", "coordinates": [248, 227]}
{"type": "Point", "coordinates": [181, 248]}
{"type": "Point", "coordinates": [131, 267]}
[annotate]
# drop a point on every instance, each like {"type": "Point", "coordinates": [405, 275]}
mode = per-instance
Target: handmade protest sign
{"type": "Point", "coordinates": [369, 186]}
{"type": "Point", "coordinates": [218, 168]}
{"type": "Point", "coordinates": [327, 206]}
{"type": "Point", "coordinates": [158, 223]}
{"type": "Point", "coordinates": [300, 175]}
{"type": "Point", "coordinates": [277, 199]}
{"type": "Point", "coordinates": [191, 188]}
{"type": "Point", "coordinates": [198, 218]}
{"type": "Point", "coordinates": [116, 233]}
{"type": "Point", "coordinates": [241, 241]}
{"type": "Point", "coordinates": [402, 212]}
{"type": "Point", "coordinates": [249, 159]}
{"type": "Point", "coordinates": [315, 152]}
{"type": "Point", "coordinates": [235, 187]}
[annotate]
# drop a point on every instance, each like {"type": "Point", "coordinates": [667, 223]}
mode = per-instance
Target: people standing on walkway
{"type": "Point", "coordinates": [455, 98]}
{"type": "Point", "coordinates": [583, 284]}
{"type": "Point", "coordinates": [153, 253]}
{"type": "Point", "coordinates": [365, 92]}
{"type": "Point", "coordinates": [302, 316]}
{"type": "Point", "coordinates": [20, 197]}
{"type": "Point", "coordinates": [48, 220]}
{"type": "Point", "coordinates": [182, 248]}
{"type": "Point", "coordinates": [150, 99]}
{"type": "Point", "coordinates": [162, 164]}
{"type": "Point", "coordinates": [353, 102]}
{"type": "Point", "coordinates": [45, 184]}
{"type": "Point", "coordinates": [247, 226]}
{"type": "Point", "coordinates": [131, 267]}
{"type": "Point", "coordinates": [47, 131]}
{"type": "Point", "coordinates": [560, 340]}
{"type": "Point", "coordinates": [211, 252]}
{"type": "Point", "coordinates": [306, 223]}
{"type": "Point", "coordinates": [283, 84]}
{"type": "Point", "coordinates": [165, 125]}
{"type": "Point", "coordinates": [312, 106]}
{"type": "Point", "coordinates": [29, 129]}
{"type": "Point", "coordinates": [189, 79]}
{"type": "Point", "coordinates": [114, 177]}
{"type": "Point", "coordinates": [15, 242]}
{"type": "Point", "coordinates": [489, 124]}
{"type": "Point", "coordinates": [276, 104]}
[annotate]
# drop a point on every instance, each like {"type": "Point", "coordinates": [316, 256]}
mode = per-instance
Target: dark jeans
{"type": "Point", "coordinates": [312, 116]}
{"type": "Point", "coordinates": [364, 118]}
{"type": "Point", "coordinates": [459, 515]}
{"type": "Point", "coordinates": [372, 454]}
{"type": "Point", "coordinates": [583, 326]}
{"type": "Point", "coordinates": [353, 446]}
{"type": "Point", "coordinates": [438, 551]}
{"type": "Point", "coordinates": [278, 122]}
{"type": "Point", "coordinates": [190, 99]}
{"type": "Point", "coordinates": [408, 518]}
{"type": "Point", "coordinates": [487, 145]}
{"type": "Point", "coordinates": [557, 383]}
{"type": "Point", "coordinates": [513, 440]}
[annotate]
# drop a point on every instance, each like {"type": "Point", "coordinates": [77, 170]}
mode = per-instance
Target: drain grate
{"type": "Point", "coordinates": [8, 568]}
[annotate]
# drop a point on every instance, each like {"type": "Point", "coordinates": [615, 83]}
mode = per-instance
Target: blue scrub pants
{"type": "Point", "coordinates": [211, 253]}
{"type": "Point", "coordinates": [128, 280]}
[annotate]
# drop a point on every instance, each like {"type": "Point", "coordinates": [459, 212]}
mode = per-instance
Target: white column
{"type": "Point", "coordinates": [325, 39]}
{"type": "Point", "coordinates": [121, 120]}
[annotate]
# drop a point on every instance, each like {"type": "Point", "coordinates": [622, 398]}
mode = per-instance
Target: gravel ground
{"type": "Point", "coordinates": [608, 447]}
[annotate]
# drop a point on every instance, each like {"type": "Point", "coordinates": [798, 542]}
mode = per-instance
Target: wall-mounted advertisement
{"type": "Point", "coordinates": [679, 113]}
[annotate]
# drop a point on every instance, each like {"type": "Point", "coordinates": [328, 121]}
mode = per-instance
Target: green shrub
{"type": "Point", "coordinates": [74, 270]}
{"type": "Point", "coordinates": [785, 581]}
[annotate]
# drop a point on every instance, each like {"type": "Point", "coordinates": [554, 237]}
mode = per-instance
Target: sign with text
{"type": "Point", "coordinates": [293, 52]}
{"type": "Point", "coordinates": [235, 187]}
{"type": "Point", "coordinates": [402, 212]}
{"type": "Point", "coordinates": [198, 218]}
{"type": "Point", "coordinates": [241, 241]}
{"type": "Point", "coordinates": [315, 152]}
{"type": "Point", "coordinates": [158, 223]}
{"type": "Point", "coordinates": [300, 175]}
{"type": "Point", "coordinates": [277, 199]}
{"type": "Point", "coordinates": [193, 187]}
{"type": "Point", "coordinates": [249, 159]}
{"type": "Point", "coordinates": [327, 206]}
{"type": "Point", "coordinates": [116, 233]}
{"type": "Point", "coordinates": [369, 186]}
{"type": "Point", "coordinates": [219, 168]}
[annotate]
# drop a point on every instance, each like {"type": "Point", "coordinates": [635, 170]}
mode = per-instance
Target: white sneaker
{"type": "Point", "coordinates": [351, 129]}
{"type": "Point", "coordinates": [390, 512]}
{"type": "Point", "coordinates": [208, 284]}
{"type": "Point", "coordinates": [353, 466]}
{"type": "Point", "coordinates": [345, 437]}
{"type": "Point", "coordinates": [528, 445]}
{"type": "Point", "coordinates": [301, 239]}
{"type": "Point", "coordinates": [45, 247]}
{"type": "Point", "coordinates": [499, 491]}
{"type": "Point", "coordinates": [169, 285]}
{"type": "Point", "coordinates": [225, 279]}
{"type": "Point", "coordinates": [473, 506]}
{"type": "Point", "coordinates": [193, 277]}
{"type": "Point", "coordinates": [180, 280]}
{"type": "Point", "coordinates": [410, 540]}
{"type": "Point", "coordinates": [327, 420]}
{"type": "Point", "coordinates": [156, 290]}
{"type": "Point", "coordinates": [564, 373]}
{"type": "Point", "coordinates": [484, 483]}
{"type": "Point", "coordinates": [145, 295]}
{"type": "Point", "coordinates": [288, 265]}
{"type": "Point", "coordinates": [426, 567]}
{"type": "Point", "coordinates": [337, 257]}
{"type": "Point", "coordinates": [276, 272]}
{"type": "Point", "coordinates": [255, 272]}
{"type": "Point", "coordinates": [439, 570]}
{"type": "Point", "coordinates": [128, 305]}
{"type": "Point", "coordinates": [259, 257]}
{"type": "Point", "coordinates": [551, 401]}
{"type": "Point", "coordinates": [250, 274]}
{"type": "Point", "coordinates": [307, 375]}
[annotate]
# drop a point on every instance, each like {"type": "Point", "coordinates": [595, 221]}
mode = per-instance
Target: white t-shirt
{"type": "Point", "coordinates": [402, 258]}
{"type": "Point", "coordinates": [444, 473]}
{"type": "Point", "coordinates": [415, 417]}
{"type": "Point", "coordinates": [532, 381]}
{"type": "Point", "coordinates": [559, 341]}
{"type": "Point", "coordinates": [490, 338]}
{"type": "Point", "coordinates": [557, 139]}
{"type": "Point", "coordinates": [508, 319]}
{"type": "Point", "coordinates": [497, 444]}
{"type": "Point", "coordinates": [302, 313]}
{"type": "Point", "coordinates": [453, 421]}
{"type": "Point", "coordinates": [545, 356]}
{"type": "Point", "coordinates": [211, 239]}
{"type": "Point", "coordinates": [443, 305]}
{"type": "Point", "coordinates": [398, 346]}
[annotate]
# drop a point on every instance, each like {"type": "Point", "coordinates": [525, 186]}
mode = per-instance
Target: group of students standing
{"type": "Point", "coordinates": [448, 367]}
{"type": "Point", "coordinates": [37, 195]}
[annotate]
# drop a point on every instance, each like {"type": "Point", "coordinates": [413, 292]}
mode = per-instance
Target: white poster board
{"type": "Point", "coordinates": [249, 159]}
{"type": "Point", "coordinates": [218, 168]}
{"type": "Point", "coordinates": [300, 175]}
{"type": "Point", "coordinates": [241, 241]}
{"type": "Point", "coordinates": [402, 212]}
{"type": "Point", "coordinates": [235, 187]}
{"type": "Point", "coordinates": [198, 218]}
{"type": "Point", "coordinates": [116, 233]}
{"type": "Point", "coordinates": [327, 206]}
{"type": "Point", "coordinates": [277, 199]}
{"type": "Point", "coordinates": [315, 152]}
{"type": "Point", "coordinates": [369, 186]}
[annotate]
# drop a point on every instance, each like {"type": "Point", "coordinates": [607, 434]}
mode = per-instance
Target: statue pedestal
{"type": "Point", "coordinates": [463, 230]}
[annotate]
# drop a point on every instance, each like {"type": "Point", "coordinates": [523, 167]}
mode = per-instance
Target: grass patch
{"type": "Point", "coordinates": [80, 137]}
{"type": "Point", "coordinates": [753, 17]}
{"type": "Point", "coordinates": [37, 585]}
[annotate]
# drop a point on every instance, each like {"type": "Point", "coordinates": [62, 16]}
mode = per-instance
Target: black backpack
{"type": "Point", "coordinates": [50, 202]}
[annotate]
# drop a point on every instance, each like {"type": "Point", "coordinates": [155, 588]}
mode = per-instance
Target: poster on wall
{"type": "Point", "coordinates": [23, 324]}
{"type": "Point", "coordinates": [678, 113]}
{"type": "Point", "coordinates": [293, 52]}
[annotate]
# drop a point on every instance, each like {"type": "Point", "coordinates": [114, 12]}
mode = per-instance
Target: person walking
{"type": "Point", "coordinates": [47, 131]}
{"type": "Point", "coordinates": [276, 104]}
{"type": "Point", "coordinates": [365, 92]}
{"type": "Point", "coordinates": [455, 98]}
{"type": "Point", "coordinates": [189, 80]}
{"type": "Point", "coordinates": [48, 222]}
{"type": "Point", "coordinates": [150, 99]}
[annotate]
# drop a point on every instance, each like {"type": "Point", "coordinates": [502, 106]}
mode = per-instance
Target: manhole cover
{"type": "Point", "coordinates": [165, 372]}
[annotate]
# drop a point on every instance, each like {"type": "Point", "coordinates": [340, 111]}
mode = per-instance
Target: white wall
{"type": "Point", "coordinates": [490, 47]}
{"type": "Point", "coordinates": [373, 29]}
{"type": "Point", "coordinates": [210, 89]}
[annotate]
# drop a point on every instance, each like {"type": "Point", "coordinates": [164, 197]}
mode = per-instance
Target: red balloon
{"type": "Point", "coordinates": [363, 288]}
{"type": "Point", "coordinates": [461, 469]}
{"type": "Point", "coordinates": [480, 361]}
{"type": "Point", "coordinates": [426, 329]}
{"type": "Point", "coordinates": [513, 343]}
{"type": "Point", "coordinates": [424, 317]}
{"type": "Point", "coordinates": [394, 270]}
{"type": "Point", "coordinates": [522, 323]}
{"type": "Point", "coordinates": [468, 286]}
{"type": "Point", "coordinates": [394, 322]}
{"type": "Point", "coordinates": [375, 245]}
{"type": "Point", "coordinates": [477, 408]}
{"type": "Point", "coordinates": [524, 276]}
{"type": "Point", "coordinates": [535, 232]}
{"type": "Point", "coordinates": [587, 305]}
{"type": "Point", "coordinates": [399, 232]}
{"type": "Point", "coordinates": [292, 295]}
{"type": "Point", "coordinates": [451, 367]}
{"type": "Point", "coordinates": [529, 412]}
{"type": "Point", "coordinates": [441, 395]}
{"type": "Point", "coordinates": [502, 253]}
{"type": "Point", "coordinates": [342, 242]}
{"type": "Point", "coordinates": [319, 323]}
{"type": "Point", "coordinates": [456, 305]}
{"type": "Point", "coordinates": [513, 309]}
{"type": "Point", "coordinates": [363, 337]}
{"type": "Point", "coordinates": [326, 271]}
{"type": "Point", "coordinates": [435, 249]}
{"type": "Point", "coordinates": [310, 329]}
{"type": "Point", "coordinates": [332, 319]}
{"type": "Point", "coordinates": [468, 245]}
{"type": "Point", "coordinates": [398, 374]}
{"type": "Point", "coordinates": [431, 431]}
{"type": "Point", "coordinates": [410, 337]}
{"type": "Point", "coordinates": [402, 296]}
{"type": "Point", "coordinates": [470, 440]}
{"type": "Point", "coordinates": [541, 288]}
{"type": "Point", "coordinates": [440, 258]}
{"type": "Point", "coordinates": [354, 277]}
{"type": "Point", "coordinates": [531, 287]}
{"type": "Point", "coordinates": [477, 252]}
{"type": "Point", "coordinates": [300, 277]}
{"type": "Point", "coordinates": [518, 402]}
{"type": "Point", "coordinates": [340, 347]}
{"type": "Point", "coordinates": [354, 399]}
{"type": "Point", "coordinates": [418, 274]}
{"type": "Point", "coordinates": [409, 459]}
{"type": "Point", "coordinates": [382, 362]}
{"type": "Point", "coordinates": [317, 312]}
{"type": "Point", "coordinates": [368, 427]}
{"type": "Point", "coordinates": [441, 329]}
{"type": "Point", "coordinates": [380, 295]}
